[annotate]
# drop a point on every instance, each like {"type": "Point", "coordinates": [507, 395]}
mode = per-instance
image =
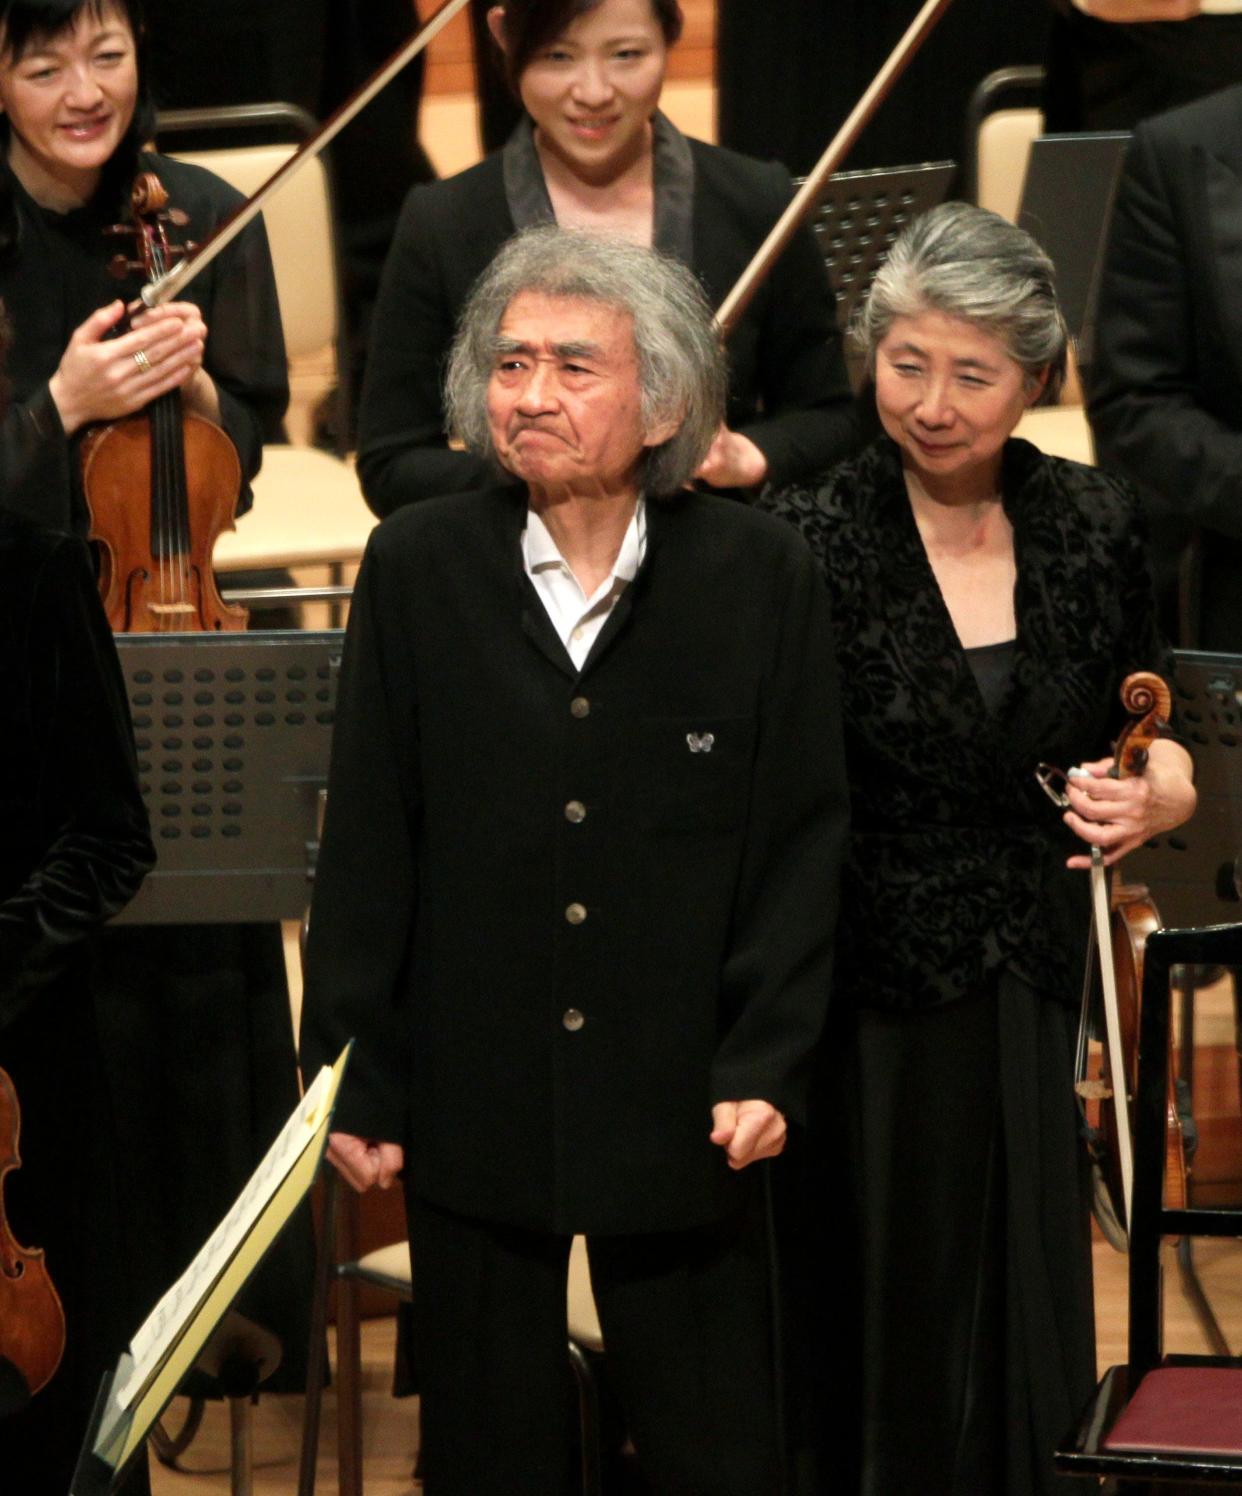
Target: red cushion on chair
{"type": "Point", "coordinates": [1185, 1410]}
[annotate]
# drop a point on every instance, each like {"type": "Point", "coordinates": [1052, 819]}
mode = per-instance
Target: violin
{"type": "Point", "coordinates": [1132, 918]}
{"type": "Point", "coordinates": [32, 1320]}
{"type": "Point", "coordinates": [161, 484]}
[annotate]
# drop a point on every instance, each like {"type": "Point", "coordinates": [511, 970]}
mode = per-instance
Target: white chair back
{"type": "Point", "coordinates": [299, 230]}
{"type": "Point", "coordinates": [1004, 143]}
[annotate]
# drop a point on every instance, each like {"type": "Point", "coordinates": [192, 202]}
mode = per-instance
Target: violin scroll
{"type": "Point", "coordinates": [152, 218]}
{"type": "Point", "coordinates": [1149, 704]}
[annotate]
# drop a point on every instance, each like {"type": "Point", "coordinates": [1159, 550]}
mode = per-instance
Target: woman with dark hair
{"type": "Point", "coordinates": [988, 601]}
{"type": "Point", "coordinates": [195, 1016]}
{"type": "Point", "coordinates": [595, 153]}
{"type": "Point", "coordinates": [75, 112]}
{"type": "Point", "coordinates": [74, 852]}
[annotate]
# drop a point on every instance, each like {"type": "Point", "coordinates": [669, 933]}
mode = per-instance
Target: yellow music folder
{"type": "Point", "coordinates": [166, 1346]}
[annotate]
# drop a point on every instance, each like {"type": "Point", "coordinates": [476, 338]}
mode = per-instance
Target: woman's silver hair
{"type": "Point", "coordinates": [969, 263]}
{"type": "Point", "coordinates": [681, 366]}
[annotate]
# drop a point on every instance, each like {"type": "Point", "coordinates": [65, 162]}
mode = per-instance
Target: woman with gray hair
{"type": "Point", "coordinates": [988, 601]}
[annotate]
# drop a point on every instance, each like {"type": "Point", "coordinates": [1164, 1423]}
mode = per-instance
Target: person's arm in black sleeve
{"type": "Point", "coordinates": [403, 451]}
{"type": "Point", "coordinates": [245, 352]}
{"type": "Point", "coordinates": [85, 805]}
{"type": "Point", "coordinates": [366, 884]}
{"type": "Point", "coordinates": [1144, 401]}
{"type": "Point", "coordinates": [35, 462]}
{"type": "Point", "coordinates": [809, 421]}
{"type": "Point", "coordinates": [778, 962]}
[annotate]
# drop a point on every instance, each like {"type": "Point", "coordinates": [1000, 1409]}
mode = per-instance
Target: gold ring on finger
{"type": "Point", "coordinates": [143, 362]}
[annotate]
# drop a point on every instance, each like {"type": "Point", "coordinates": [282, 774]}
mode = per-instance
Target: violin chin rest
{"type": "Point", "coordinates": [14, 1393]}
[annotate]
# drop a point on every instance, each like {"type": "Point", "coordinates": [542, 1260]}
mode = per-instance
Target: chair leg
{"type": "Point", "coordinates": [318, 1333]}
{"type": "Point", "coordinates": [348, 1389]}
{"type": "Point", "coordinates": [348, 1359]}
{"type": "Point", "coordinates": [1193, 1291]}
{"type": "Point", "coordinates": [241, 1437]}
{"type": "Point", "coordinates": [588, 1418]}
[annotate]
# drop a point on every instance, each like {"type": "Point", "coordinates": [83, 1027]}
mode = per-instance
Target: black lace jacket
{"type": "Point", "coordinates": [957, 858]}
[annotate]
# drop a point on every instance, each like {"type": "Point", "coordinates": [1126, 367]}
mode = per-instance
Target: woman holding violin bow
{"type": "Point", "coordinates": [75, 111]}
{"type": "Point", "coordinates": [988, 602]}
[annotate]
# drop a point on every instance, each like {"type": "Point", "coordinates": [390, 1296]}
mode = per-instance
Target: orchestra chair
{"type": "Point", "coordinates": [1003, 117]}
{"type": "Point", "coordinates": [238, 1357]}
{"type": "Point", "coordinates": [1059, 430]}
{"type": "Point", "coordinates": [390, 1270]}
{"type": "Point", "coordinates": [245, 144]}
{"type": "Point", "coordinates": [1162, 1419]}
{"type": "Point", "coordinates": [308, 505]}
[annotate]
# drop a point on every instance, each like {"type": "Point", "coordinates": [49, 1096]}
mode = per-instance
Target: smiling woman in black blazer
{"type": "Point", "coordinates": [987, 602]}
{"type": "Point", "coordinates": [595, 153]}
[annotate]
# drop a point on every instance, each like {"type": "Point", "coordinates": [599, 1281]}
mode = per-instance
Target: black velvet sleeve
{"type": "Point", "coordinates": [35, 475]}
{"type": "Point", "coordinates": [75, 817]}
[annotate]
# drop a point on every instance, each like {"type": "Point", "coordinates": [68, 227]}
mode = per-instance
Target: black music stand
{"type": "Point", "coordinates": [1193, 872]}
{"type": "Point", "coordinates": [1067, 203]}
{"type": "Point", "coordinates": [134, 1392]}
{"type": "Point", "coordinates": [232, 733]}
{"type": "Point", "coordinates": [860, 215]}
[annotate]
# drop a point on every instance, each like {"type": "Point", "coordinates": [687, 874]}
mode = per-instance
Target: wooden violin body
{"type": "Point", "coordinates": [32, 1321]}
{"type": "Point", "coordinates": [160, 485]}
{"type": "Point", "coordinates": [156, 519]}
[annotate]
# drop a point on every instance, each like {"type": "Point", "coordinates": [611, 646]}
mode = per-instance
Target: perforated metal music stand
{"type": "Point", "coordinates": [862, 212]}
{"type": "Point", "coordinates": [232, 733]}
{"type": "Point", "coordinates": [1193, 871]}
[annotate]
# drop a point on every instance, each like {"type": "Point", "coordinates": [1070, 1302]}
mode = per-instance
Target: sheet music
{"type": "Point", "coordinates": [162, 1326]}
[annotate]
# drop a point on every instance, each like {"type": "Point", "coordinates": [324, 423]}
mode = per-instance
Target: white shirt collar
{"type": "Point", "coordinates": [539, 550]}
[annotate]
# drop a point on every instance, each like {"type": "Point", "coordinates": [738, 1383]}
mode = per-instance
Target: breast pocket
{"type": "Point", "coordinates": [694, 773]}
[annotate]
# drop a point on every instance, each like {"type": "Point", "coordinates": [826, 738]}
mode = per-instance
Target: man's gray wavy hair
{"type": "Point", "coordinates": [681, 366]}
{"type": "Point", "coordinates": [969, 263]}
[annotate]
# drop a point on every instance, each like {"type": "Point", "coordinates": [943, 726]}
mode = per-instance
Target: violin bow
{"type": "Point", "coordinates": [806, 200]}
{"type": "Point", "coordinates": [1101, 918]}
{"type": "Point", "coordinates": [167, 287]}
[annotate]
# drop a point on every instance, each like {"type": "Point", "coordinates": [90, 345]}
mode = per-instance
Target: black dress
{"type": "Point", "coordinates": [198, 1015]}
{"type": "Point", "coordinates": [968, 1348]}
{"type": "Point", "coordinates": [74, 852]}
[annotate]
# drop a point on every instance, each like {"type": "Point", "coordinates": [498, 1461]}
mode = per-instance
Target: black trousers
{"type": "Point", "coordinates": [686, 1319]}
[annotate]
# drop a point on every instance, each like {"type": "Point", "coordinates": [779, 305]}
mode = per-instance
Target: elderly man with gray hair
{"type": "Point", "coordinates": [576, 895]}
